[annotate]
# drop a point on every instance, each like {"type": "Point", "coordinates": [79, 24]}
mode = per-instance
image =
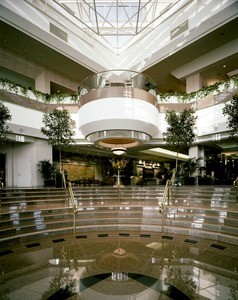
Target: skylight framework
{"type": "Point", "coordinates": [118, 22]}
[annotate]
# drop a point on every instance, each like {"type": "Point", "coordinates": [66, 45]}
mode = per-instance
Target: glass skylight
{"type": "Point", "coordinates": [119, 23]}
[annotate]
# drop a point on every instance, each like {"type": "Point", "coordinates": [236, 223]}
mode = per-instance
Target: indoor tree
{"type": "Point", "coordinates": [231, 111]}
{"type": "Point", "coordinates": [180, 131]}
{"type": "Point", "coordinates": [59, 128]}
{"type": "Point", "coordinates": [5, 116]}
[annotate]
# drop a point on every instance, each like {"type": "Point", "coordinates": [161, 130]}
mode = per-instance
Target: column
{"type": "Point", "coordinates": [196, 152]}
{"type": "Point", "coordinates": [42, 83]}
{"type": "Point", "coordinates": [194, 83]}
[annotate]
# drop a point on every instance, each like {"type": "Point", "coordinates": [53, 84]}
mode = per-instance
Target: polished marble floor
{"type": "Point", "coordinates": [119, 265]}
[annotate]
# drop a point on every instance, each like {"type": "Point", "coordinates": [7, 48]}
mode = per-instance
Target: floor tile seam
{"type": "Point", "coordinates": [25, 227]}
{"type": "Point", "coordinates": [207, 208]}
{"type": "Point", "coordinates": [220, 209]}
{"type": "Point", "coordinates": [32, 202]}
{"type": "Point", "coordinates": [153, 212]}
{"type": "Point", "coordinates": [32, 209]}
{"type": "Point", "coordinates": [28, 215]}
{"type": "Point", "coordinates": [202, 199]}
{"type": "Point", "coordinates": [90, 226]}
{"type": "Point", "coordinates": [204, 224]}
{"type": "Point", "coordinates": [133, 203]}
{"type": "Point", "coordinates": [35, 233]}
{"type": "Point", "coordinates": [72, 240]}
{"type": "Point", "coordinates": [194, 215]}
{"type": "Point", "coordinates": [116, 235]}
{"type": "Point", "coordinates": [197, 230]}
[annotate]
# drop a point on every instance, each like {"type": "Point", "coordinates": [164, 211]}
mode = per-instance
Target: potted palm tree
{"type": "Point", "coordinates": [47, 170]}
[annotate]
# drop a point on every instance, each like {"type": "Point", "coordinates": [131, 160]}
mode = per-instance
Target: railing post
{"type": "Point", "coordinates": [75, 214]}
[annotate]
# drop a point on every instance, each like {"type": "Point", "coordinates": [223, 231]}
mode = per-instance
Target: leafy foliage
{"type": "Point", "coordinates": [182, 280]}
{"type": "Point", "coordinates": [47, 169]}
{"type": "Point", "coordinates": [4, 117]}
{"type": "Point", "coordinates": [47, 98]}
{"type": "Point", "coordinates": [61, 287]}
{"type": "Point", "coordinates": [204, 92]}
{"type": "Point", "coordinates": [59, 128]}
{"type": "Point", "coordinates": [231, 110]}
{"type": "Point", "coordinates": [118, 164]}
{"type": "Point", "coordinates": [180, 132]}
{"type": "Point", "coordinates": [182, 97]}
{"type": "Point", "coordinates": [233, 291]}
{"type": "Point", "coordinates": [190, 166]}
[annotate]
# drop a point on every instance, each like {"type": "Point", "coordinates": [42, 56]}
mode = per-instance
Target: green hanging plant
{"type": "Point", "coordinates": [164, 97]}
{"type": "Point", "coordinates": [201, 94]}
{"type": "Point", "coordinates": [45, 97]}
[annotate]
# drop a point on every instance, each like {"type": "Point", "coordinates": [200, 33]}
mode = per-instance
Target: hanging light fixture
{"type": "Point", "coordinates": [118, 150]}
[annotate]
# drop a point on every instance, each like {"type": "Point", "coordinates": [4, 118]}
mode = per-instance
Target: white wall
{"type": "Point", "coordinates": [211, 120]}
{"type": "Point", "coordinates": [22, 162]}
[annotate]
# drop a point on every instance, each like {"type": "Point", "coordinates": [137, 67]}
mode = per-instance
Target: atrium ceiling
{"type": "Point", "coordinates": [167, 40]}
{"type": "Point", "coordinates": [119, 23]}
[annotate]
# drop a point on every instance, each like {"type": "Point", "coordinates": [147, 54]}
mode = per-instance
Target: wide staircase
{"type": "Point", "coordinates": [195, 211]}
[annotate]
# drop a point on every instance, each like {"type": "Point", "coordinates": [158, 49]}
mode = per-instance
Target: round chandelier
{"type": "Point", "coordinates": [118, 150]}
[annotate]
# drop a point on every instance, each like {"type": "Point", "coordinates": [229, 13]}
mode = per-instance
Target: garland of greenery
{"type": "Point", "coordinates": [203, 93]}
{"type": "Point", "coordinates": [46, 98]}
{"type": "Point", "coordinates": [164, 97]}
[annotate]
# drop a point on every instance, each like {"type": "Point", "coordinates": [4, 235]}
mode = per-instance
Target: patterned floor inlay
{"type": "Point", "coordinates": [33, 245]}
{"type": "Point", "coordinates": [145, 235]}
{"type": "Point", "coordinates": [218, 246]}
{"type": "Point", "coordinates": [89, 263]}
{"type": "Point", "coordinates": [103, 235]}
{"type": "Point", "coordinates": [120, 286]}
{"type": "Point", "coordinates": [190, 241]}
{"type": "Point", "coordinates": [58, 241]}
{"type": "Point", "coordinates": [124, 234]}
{"type": "Point", "coordinates": [81, 236]}
{"type": "Point", "coordinates": [6, 252]}
{"type": "Point", "coordinates": [167, 237]}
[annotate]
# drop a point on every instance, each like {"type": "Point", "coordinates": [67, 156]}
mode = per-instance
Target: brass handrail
{"type": "Point", "coordinates": [65, 187]}
{"type": "Point", "coordinates": [64, 179]}
{"type": "Point", "coordinates": [72, 201]}
{"type": "Point", "coordinates": [71, 194]}
{"type": "Point", "coordinates": [165, 195]}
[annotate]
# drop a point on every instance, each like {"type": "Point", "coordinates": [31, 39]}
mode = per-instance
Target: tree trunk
{"type": "Point", "coordinates": [61, 168]}
{"type": "Point", "coordinates": [176, 165]}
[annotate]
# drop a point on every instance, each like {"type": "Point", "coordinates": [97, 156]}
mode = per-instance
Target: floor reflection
{"type": "Point", "coordinates": [119, 266]}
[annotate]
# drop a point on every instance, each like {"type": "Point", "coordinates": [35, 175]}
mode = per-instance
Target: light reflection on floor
{"type": "Point", "coordinates": [119, 266]}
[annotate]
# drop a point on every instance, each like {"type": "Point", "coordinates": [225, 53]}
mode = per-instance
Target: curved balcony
{"type": "Point", "coordinates": [118, 109]}
{"type": "Point", "coordinates": [117, 78]}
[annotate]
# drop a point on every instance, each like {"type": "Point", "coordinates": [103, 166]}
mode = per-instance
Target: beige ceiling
{"type": "Point", "coordinates": [18, 42]}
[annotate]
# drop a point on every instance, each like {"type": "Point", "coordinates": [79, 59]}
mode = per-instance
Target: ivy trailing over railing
{"type": "Point", "coordinates": [213, 89]}
{"type": "Point", "coordinates": [162, 97]}
{"type": "Point", "coordinates": [40, 96]}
